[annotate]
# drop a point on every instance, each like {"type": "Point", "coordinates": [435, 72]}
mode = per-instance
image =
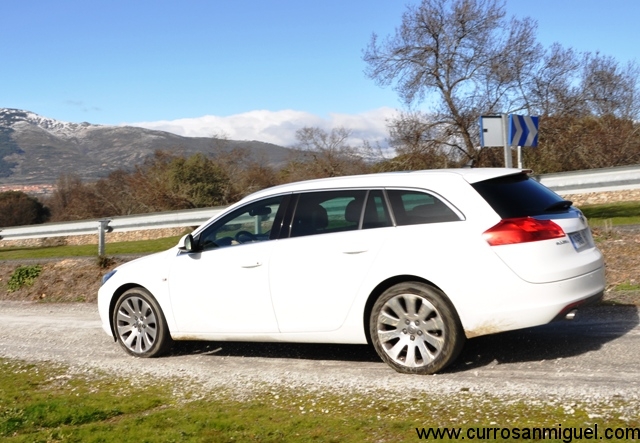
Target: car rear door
{"type": "Point", "coordinates": [316, 272]}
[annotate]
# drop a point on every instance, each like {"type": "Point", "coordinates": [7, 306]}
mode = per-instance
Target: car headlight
{"type": "Point", "coordinates": [107, 276]}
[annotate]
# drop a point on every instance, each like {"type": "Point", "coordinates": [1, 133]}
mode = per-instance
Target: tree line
{"type": "Point", "coordinates": [167, 181]}
{"type": "Point", "coordinates": [450, 61]}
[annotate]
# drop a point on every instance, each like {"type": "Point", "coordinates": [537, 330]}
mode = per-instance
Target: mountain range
{"type": "Point", "coordinates": [37, 150]}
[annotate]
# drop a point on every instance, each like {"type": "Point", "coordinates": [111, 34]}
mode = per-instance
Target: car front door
{"type": "Point", "coordinates": [224, 287]}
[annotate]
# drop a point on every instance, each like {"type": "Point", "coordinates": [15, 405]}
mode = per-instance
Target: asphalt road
{"type": "Point", "coordinates": [597, 355]}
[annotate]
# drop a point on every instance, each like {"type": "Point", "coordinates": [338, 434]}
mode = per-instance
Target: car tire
{"type": "Point", "coordinates": [139, 324]}
{"type": "Point", "coordinates": [415, 329]}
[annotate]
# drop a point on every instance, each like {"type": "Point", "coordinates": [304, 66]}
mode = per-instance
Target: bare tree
{"type": "Point", "coordinates": [73, 200]}
{"type": "Point", "coordinates": [417, 142]}
{"type": "Point", "coordinates": [319, 153]}
{"type": "Point", "coordinates": [609, 89]}
{"type": "Point", "coordinates": [462, 56]}
{"type": "Point", "coordinates": [566, 84]}
{"type": "Point", "coordinates": [554, 88]}
{"type": "Point", "coordinates": [118, 194]}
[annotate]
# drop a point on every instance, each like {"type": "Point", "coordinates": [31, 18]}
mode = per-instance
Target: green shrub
{"type": "Point", "coordinates": [23, 276]}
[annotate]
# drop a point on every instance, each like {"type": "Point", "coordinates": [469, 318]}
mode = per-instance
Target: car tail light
{"type": "Point", "coordinates": [522, 230]}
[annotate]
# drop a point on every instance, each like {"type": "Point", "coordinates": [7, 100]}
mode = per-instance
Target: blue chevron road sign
{"type": "Point", "coordinates": [523, 130]}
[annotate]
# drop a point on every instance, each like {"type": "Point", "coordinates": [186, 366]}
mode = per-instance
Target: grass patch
{"type": "Point", "coordinates": [622, 213]}
{"type": "Point", "coordinates": [23, 276]}
{"type": "Point", "coordinates": [628, 286]}
{"type": "Point", "coordinates": [41, 403]}
{"type": "Point", "coordinates": [131, 247]}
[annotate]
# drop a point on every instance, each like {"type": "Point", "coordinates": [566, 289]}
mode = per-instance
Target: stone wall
{"type": "Point", "coordinates": [598, 198]}
{"type": "Point", "coordinates": [591, 198]}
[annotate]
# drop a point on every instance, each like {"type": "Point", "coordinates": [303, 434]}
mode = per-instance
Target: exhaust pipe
{"type": "Point", "coordinates": [571, 314]}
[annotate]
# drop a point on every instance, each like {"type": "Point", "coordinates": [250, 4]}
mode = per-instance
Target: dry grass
{"type": "Point", "coordinates": [63, 280]}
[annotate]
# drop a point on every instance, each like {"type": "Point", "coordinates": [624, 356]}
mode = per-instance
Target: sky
{"type": "Point", "coordinates": [242, 69]}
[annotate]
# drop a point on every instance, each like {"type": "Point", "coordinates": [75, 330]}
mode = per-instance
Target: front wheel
{"type": "Point", "coordinates": [415, 329]}
{"type": "Point", "coordinates": [139, 324]}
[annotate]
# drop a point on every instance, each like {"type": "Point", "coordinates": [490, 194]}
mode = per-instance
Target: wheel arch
{"type": "Point", "coordinates": [383, 286]}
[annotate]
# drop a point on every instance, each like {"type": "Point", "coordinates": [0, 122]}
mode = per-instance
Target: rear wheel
{"type": "Point", "coordinates": [139, 324]}
{"type": "Point", "coordinates": [415, 329]}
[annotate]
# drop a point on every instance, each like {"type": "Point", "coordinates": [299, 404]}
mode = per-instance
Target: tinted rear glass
{"type": "Point", "coordinates": [415, 207]}
{"type": "Point", "coordinates": [517, 196]}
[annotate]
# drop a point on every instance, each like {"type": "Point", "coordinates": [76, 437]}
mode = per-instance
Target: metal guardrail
{"type": "Point", "coordinates": [173, 219]}
{"type": "Point", "coordinates": [593, 180]}
{"type": "Point", "coordinates": [575, 182]}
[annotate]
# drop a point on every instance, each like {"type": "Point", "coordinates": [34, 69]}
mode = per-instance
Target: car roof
{"type": "Point", "coordinates": [401, 178]}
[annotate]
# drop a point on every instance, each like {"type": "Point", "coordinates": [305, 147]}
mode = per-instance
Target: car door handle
{"type": "Point", "coordinates": [252, 265]}
{"type": "Point", "coordinates": [354, 252]}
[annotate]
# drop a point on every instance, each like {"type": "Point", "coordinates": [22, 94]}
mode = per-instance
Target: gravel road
{"type": "Point", "coordinates": [596, 356]}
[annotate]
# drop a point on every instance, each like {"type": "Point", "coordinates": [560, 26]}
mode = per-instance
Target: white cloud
{"type": "Point", "coordinates": [277, 127]}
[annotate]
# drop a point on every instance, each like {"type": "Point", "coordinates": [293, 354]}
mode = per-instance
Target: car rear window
{"type": "Point", "coordinates": [518, 196]}
{"type": "Point", "coordinates": [415, 207]}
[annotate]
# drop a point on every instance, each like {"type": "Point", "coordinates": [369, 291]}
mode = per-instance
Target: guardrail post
{"type": "Point", "coordinates": [508, 161]}
{"type": "Point", "coordinates": [102, 229]}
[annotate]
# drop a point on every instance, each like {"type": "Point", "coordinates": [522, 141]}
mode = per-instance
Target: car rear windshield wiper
{"type": "Point", "coordinates": [561, 205]}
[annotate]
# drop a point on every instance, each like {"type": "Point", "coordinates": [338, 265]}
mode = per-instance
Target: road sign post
{"type": "Point", "coordinates": [508, 161]}
{"type": "Point", "coordinates": [509, 130]}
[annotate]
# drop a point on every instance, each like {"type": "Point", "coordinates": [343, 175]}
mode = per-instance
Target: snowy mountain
{"type": "Point", "coordinates": [13, 117]}
{"type": "Point", "coordinates": [37, 149]}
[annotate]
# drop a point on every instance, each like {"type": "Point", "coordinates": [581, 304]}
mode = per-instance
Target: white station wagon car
{"type": "Point", "coordinates": [412, 262]}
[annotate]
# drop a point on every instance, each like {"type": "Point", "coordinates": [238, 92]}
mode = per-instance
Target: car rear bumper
{"type": "Point", "coordinates": [579, 305]}
{"type": "Point", "coordinates": [538, 304]}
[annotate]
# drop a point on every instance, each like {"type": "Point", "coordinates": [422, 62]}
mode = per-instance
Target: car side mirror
{"type": "Point", "coordinates": [187, 244]}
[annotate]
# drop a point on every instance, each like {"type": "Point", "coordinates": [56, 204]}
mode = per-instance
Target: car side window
{"type": "Point", "coordinates": [416, 207]}
{"type": "Point", "coordinates": [250, 223]}
{"type": "Point", "coordinates": [327, 211]}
